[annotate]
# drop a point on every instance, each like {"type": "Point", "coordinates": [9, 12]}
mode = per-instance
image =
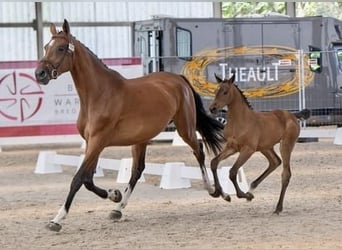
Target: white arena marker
{"type": "Point", "coordinates": [125, 171]}
{"type": "Point", "coordinates": [172, 176]}
{"type": "Point", "coordinates": [338, 136]}
{"type": "Point", "coordinates": [45, 163]}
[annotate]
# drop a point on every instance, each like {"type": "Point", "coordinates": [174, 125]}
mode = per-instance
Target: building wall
{"type": "Point", "coordinates": [106, 42]}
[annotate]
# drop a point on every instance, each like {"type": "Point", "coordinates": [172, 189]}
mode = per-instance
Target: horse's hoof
{"type": "Point", "coordinates": [214, 192]}
{"type": "Point", "coordinates": [53, 226]}
{"type": "Point", "coordinates": [114, 195]}
{"type": "Point", "coordinates": [115, 215]}
{"type": "Point", "coordinates": [226, 198]}
{"type": "Point", "coordinates": [249, 196]}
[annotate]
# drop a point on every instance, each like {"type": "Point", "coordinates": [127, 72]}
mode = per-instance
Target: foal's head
{"type": "Point", "coordinates": [58, 55]}
{"type": "Point", "coordinates": [223, 95]}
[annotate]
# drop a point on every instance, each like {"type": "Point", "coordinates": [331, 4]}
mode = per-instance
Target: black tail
{"type": "Point", "coordinates": [209, 128]}
{"type": "Point", "coordinates": [303, 114]}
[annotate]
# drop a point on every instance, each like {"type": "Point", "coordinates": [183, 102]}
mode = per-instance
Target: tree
{"type": "Point", "coordinates": [237, 9]}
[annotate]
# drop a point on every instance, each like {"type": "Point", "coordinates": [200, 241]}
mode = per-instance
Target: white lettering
{"type": "Point", "coordinates": [261, 75]}
{"type": "Point", "coordinates": [244, 74]}
{"type": "Point", "coordinates": [223, 69]}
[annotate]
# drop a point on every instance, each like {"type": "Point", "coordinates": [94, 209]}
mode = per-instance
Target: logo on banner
{"type": "Point", "coordinates": [20, 96]}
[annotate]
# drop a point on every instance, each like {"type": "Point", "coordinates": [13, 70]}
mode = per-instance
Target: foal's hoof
{"type": "Point", "coordinates": [53, 226]}
{"type": "Point", "coordinates": [249, 196]}
{"type": "Point", "coordinates": [115, 215]}
{"type": "Point", "coordinates": [114, 195]}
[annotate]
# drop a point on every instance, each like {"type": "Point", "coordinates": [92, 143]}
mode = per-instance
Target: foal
{"type": "Point", "coordinates": [248, 131]}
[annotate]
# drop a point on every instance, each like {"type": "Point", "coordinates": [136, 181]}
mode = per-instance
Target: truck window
{"type": "Point", "coordinates": [339, 58]}
{"type": "Point", "coordinates": [183, 43]}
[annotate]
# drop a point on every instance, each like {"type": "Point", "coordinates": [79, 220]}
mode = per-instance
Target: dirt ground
{"type": "Point", "coordinates": [173, 219]}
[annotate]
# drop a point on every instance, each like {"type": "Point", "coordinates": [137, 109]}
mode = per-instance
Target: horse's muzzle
{"type": "Point", "coordinates": [42, 76]}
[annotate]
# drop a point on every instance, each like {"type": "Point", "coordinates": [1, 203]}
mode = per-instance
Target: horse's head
{"type": "Point", "coordinates": [58, 55]}
{"type": "Point", "coordinates": [223, 94]}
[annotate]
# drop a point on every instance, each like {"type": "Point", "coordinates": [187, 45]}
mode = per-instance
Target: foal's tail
{"type": "Point", "coordinates": [209, 128]}
{"type": "Point", "coordinates": [303, 114]}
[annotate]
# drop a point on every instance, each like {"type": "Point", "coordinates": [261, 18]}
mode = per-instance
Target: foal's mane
{"type": "Point", "coordinates": [244, 98]}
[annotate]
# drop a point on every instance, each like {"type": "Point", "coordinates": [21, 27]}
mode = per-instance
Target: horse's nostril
{"type": "Point", "coordinates": [40, 74]}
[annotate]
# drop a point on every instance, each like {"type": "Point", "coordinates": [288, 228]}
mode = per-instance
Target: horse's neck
{"type": "Point", "coordinates": [89, 74]}
{"type": "Point", "coordinates": [238, 109]}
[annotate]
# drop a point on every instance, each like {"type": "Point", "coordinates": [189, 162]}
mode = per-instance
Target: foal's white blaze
{"type": "Point", "coordinates": [60, 215]}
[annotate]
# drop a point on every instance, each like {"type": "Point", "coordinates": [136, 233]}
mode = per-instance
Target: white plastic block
{"type": "Point", "coordinates": [45, 163]}
{"type": "Point", "coordinates": [125, 171]}
{"type": "Point", "coordinates": [338, 137]}
{"type": "Point", "coordinates": [172, 176]}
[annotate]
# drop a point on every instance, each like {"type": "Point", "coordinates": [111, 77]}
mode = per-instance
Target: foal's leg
{"type": "Point", "coordinates": [274, 162]}
{"type": "Point", "coordinates": [83, 176]}
{"type": "Point", "coordinates": [138, 155]}
{"type": "Point", "coordinates": [225, 153]}
{"type": "Point", "coordinates": [286, 148]}
{"type": "Point", "coordinates": [245, 153]}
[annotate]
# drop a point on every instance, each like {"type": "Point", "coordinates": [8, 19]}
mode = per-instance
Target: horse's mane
{"type": "Point", "coordinates": [244, 98]}
{"type": "Point", "coordinates": [93, 54]}
{"type": "Point", "coordinates": [89, 50]}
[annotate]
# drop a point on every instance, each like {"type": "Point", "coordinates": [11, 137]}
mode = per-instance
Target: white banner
{"type": "Point", "coordinates": [28, 108]}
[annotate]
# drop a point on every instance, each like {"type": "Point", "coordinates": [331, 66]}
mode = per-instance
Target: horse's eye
{"type": "Point", "coordinates": [61, 49]}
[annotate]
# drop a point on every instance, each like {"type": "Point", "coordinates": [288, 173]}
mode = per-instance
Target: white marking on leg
{"type": "Point", "coordinates": [251, 190]}
{"type": "Point", "coordinates": [206, 181]}
{"type": "Point", "coordinates": [62, 213]}
{"type": "Point", "coordinates": [127, 193]}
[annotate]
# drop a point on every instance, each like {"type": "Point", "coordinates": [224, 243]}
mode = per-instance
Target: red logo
{"type": "Point", "coordinates": [20, 96]}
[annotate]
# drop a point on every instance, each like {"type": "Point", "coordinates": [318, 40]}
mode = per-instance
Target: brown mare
{"type": "Point", "coordinates": [115, 111]}
{"type": "Point", "coordinates": [248, 131]}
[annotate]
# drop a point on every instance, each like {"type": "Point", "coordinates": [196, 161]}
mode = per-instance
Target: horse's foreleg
{"type": "Point", "coordinates": [84, 176]}
{"type": "Point", "coordinates": [77, 181]}
{"type": "Point", "coordinates": [138, 155]}
{"type": "Point", "coordinates": [244, 155]}
{"type": "Point", "coordinates": [225, 153]}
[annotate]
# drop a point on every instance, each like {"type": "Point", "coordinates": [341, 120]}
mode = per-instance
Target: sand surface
{"type": "Point", "coordinates": [173, 219]}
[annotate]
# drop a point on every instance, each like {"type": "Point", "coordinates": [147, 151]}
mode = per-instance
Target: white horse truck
{"type": "Point", "coordinates": [279, 62]}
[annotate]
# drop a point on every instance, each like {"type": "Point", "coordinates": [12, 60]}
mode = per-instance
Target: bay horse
{"type": "Point", "coordinates": [249, 131]}
{"type": "Point", "coordinates": [115, 111]}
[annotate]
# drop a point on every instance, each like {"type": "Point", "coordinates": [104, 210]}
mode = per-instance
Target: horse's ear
{"type": "Point", "coordinates": [218, 79]}
{"type": "Point", "coordinates": [231, 79]}
{"type": "Point", "coordinates": [53, 29]}
{"type": "Point", "coordinates": [66, 27]}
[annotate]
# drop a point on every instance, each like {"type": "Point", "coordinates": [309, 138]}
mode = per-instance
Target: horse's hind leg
{"type": "Point", "coordinates": [274, 162]}
{"type": "Point", "coordinates": [186, 129]}
{"type": "Point", "coordinates": [138, 155]}
{"type": "Point", "coordinates": [286, 148]}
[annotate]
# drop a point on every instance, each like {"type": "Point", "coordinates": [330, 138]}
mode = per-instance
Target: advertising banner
{"type": "Point", "coordinates": [30, 109]}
